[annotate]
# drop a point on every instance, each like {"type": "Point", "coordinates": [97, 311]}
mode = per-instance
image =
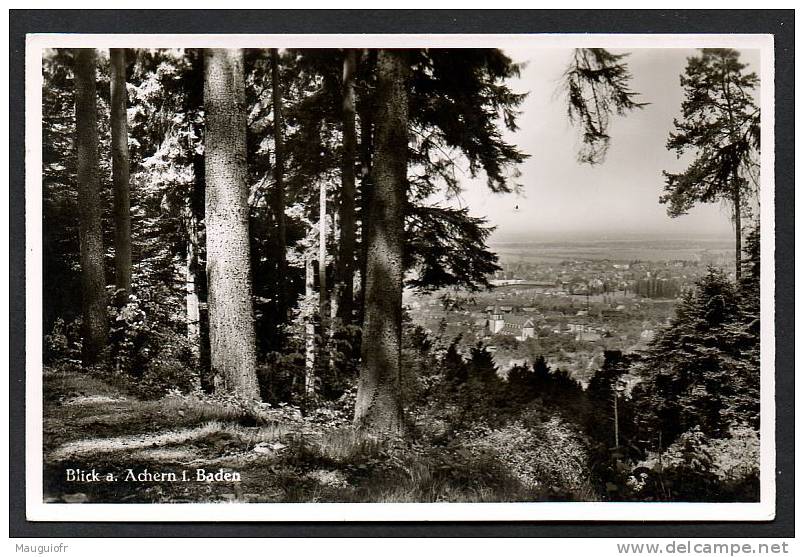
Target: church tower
{"type": "Point", "coordinates": [496, 321]}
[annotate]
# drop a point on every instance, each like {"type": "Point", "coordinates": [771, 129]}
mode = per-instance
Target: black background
{"type": "Point", "coordinates": [780, 23]}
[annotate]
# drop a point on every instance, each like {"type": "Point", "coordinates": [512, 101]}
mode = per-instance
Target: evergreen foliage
{"type": "Point", "coordinates": [597, 86]}
{"type": "Point", "coordinates": [720, 126]}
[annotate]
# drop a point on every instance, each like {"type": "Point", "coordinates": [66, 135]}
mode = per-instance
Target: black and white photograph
{"type": "Point", "coordinates": [483, 275]}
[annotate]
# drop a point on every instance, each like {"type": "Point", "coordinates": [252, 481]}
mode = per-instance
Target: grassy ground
{"type": "Point", "coordinates": [91, 424]}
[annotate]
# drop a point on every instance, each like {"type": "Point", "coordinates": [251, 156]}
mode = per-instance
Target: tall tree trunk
{"type": "Point", "coordinates": [344, 288]}
{"type": "Point", "coordinates": [192, 269]}
{"type": "Point", "coordinates": [738, 228]}
{"type": "Point", "coordinates": [120, 175]}
{"type": "Point", "coordinates": [735, 177]}
{"type": "Point", "coordinates": [323, 294]}
{"type": "Point", "coordinates": [95, 326]}
{"type": "Point", "coordinates": [196, 289]}
{"type": "Point", "coordinates": [309, 332]}
{"type": "Point", "coordinates": [379, 405]}
{"type": "Point", "coordinates": [192, 303]}
{"type": "Point", "coordinates": [278, 198]}
{"type": "Point", "coordinates": [231, 313]}
{"type": "Point", "coordinates": [366, 150]}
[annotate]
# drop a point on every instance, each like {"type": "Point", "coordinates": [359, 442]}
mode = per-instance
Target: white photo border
{"type": "Point", "coordinates": [37, 510]}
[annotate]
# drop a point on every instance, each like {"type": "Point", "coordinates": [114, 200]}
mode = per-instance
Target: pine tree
{"type": "Point", "coordinates": [278, 198]}
{"type": "Point", "coordinates": [231, 317]}
{"type": "Point", "coordinates": [541, 372]}
{"type": "Point", "coordinates": [323, 359]}
{"type": "Point", "coordinates": [95, 322]}
{"type": "Point", "coordinates": [521, 384]}
{"type": "Point", "coordinates": [120, 173]}
{"type": "Point", "coordinates": [61, 298]}
{"type": "Point", "coordinates": [720, 125]}
{"type": "Point", "coordinates": [379, 406]}
{"type": "Point", "coordinates": [526, 383]}
{"type": "Point", "coordinates": [345, 267]}
{"type": "Point", "coordinates": [702, 371]}
{"type": "Point", "coordinates": [365, 109]}
{"type": "Point", "coordinates": [483, 371]}
{"type": "Point", "coordinates": [749, 284]}
{"type": "Point", "coordinates": [455, 369]}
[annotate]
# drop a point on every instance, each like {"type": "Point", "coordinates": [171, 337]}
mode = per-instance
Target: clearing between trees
{"type": "Point", "coordinates": [94, 425]}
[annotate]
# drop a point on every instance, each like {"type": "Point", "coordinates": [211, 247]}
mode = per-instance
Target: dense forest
{"type": "Point", "coordinates": [227, 238]}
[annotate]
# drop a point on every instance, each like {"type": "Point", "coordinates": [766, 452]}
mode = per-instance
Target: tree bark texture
{"type": "Point", "coordinates": [120, 174]}
{"type": "Point", "coordinates": [323, 293]}
{"type": "Point", "coordinates": [738, 228]}
{"type": "Point", "coordinates": [278, 197]}
{"type": "Point", "coordinates": [192, 303]}
{"type": "Point", "coordinates": [344, 287]}
{"type": "Point", "coordinates": [95, 326]}
{"type": "Point", "coordinates": [231, 313]}
{"type": "Point", "coordinates": [198, 335]}
{"type": "Point", "coordinates": [735, 177]}
{"type": "Point", "coordinates": [366, 149]}
{"type": "Point", "coordinates": [193, 271]}
{"type": "Point", "coordinates": [309, 333]}
{"type": "Point", "coordinates": [379, 405]}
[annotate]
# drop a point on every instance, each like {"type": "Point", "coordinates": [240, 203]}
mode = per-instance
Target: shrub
{"type": "Point", "coordinates": [281, 377]}
{"type": "Point", "coordinates": [541, 452]}
{"type": "Point", "coordinates": [698, 468]}
{"type": "Point", "coordinates": [736, 458]}
{"type": "Point", "coordinates": [63, 344]}
{"type": "Point", "coordinates": [164, 374]}
{"type": "Point", "coordinates": [344, 350]}
{"type": "Point", "coordinates": [130, 333]}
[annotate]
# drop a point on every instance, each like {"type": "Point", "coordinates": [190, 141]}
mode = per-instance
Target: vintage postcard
{"type": "Point", "coordinates": [400, 277]}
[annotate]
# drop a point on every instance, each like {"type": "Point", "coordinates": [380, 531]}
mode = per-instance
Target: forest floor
{"type": "Point", "coordinates": [92, 425]}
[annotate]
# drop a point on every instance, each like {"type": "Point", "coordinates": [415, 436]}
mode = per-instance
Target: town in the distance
{"type": "Point", "coordinates": [569, 301]}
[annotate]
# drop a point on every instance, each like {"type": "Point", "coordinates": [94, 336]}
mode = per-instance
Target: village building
{"type": "Point", "coordinates": [519, 326]}
{"type": "Point", "coordinates": [584, 332]}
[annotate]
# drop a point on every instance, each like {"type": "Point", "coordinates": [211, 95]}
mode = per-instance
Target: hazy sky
{"type": "Point", "coordinates": [617, 197]}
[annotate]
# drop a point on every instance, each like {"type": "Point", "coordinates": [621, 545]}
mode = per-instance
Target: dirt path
{"type": "Point", "coordinates": [95, 447]}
